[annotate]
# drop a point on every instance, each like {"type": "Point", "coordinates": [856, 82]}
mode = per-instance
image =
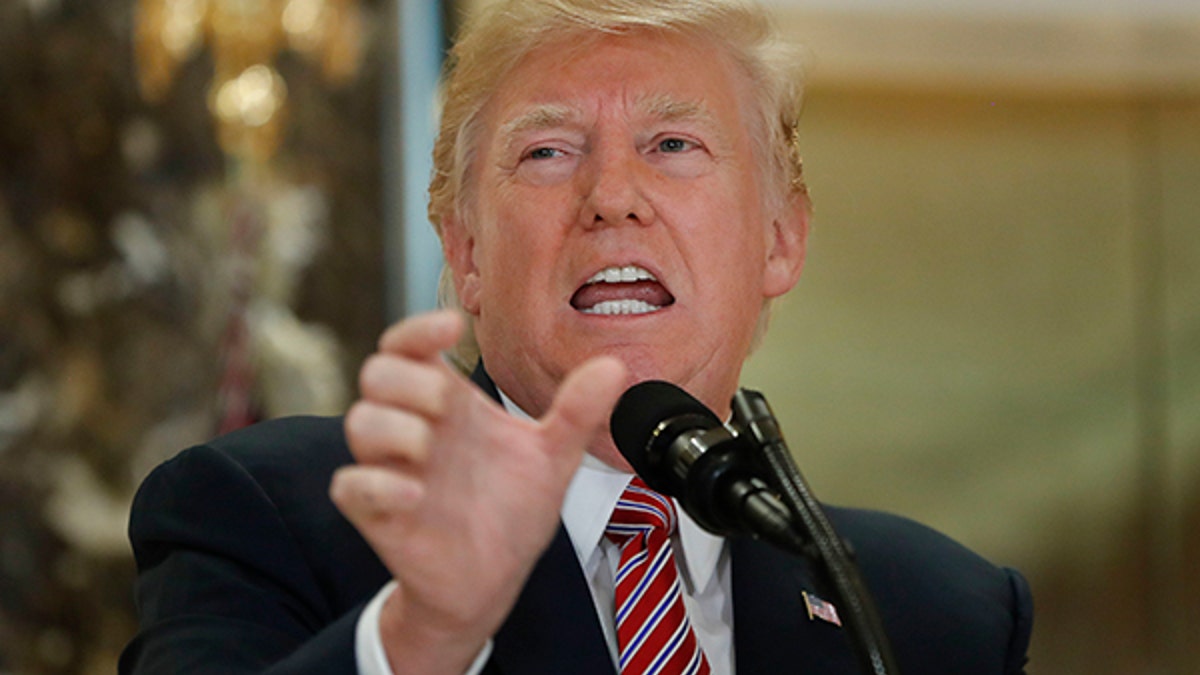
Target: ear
{"type": "Point", "coordinates": [787, 241]}
{"type": "Point", "coordinates": [458, 247]}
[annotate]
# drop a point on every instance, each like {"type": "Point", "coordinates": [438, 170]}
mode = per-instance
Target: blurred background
{"type": "Point", "coordinates": [210, 208]}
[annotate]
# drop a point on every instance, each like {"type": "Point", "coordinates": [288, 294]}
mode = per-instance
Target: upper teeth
{"type": "Point", "coordinates": [617, 275]}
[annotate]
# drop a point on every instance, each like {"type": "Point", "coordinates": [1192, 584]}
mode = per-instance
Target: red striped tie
{"type": "Point", "coordinates": [653, 631]}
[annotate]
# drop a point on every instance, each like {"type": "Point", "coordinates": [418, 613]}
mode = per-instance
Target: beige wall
{"type": "Point", "coordinates": [971, 339]}
{"type": "Point", "coordinates": [998, 332]}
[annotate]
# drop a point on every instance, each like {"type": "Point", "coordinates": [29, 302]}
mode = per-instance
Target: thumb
{"type": "Point", "coordinates": [582, 406]}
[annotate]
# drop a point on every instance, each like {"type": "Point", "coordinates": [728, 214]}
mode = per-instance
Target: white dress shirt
{"type": "Point", "coordinates": [702, 558]}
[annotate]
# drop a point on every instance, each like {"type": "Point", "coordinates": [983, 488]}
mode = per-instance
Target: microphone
{"type": "Point", "coordinates": [753, 416]}
{"type": "Point", "coordinates": [680, 448]}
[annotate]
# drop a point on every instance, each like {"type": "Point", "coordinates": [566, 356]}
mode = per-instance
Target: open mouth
{"type": "Point", "coordinates": [622, 291]}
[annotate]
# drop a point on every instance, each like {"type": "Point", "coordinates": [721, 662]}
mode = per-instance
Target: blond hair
{"type": "Point", "coordinates": [496, 38]}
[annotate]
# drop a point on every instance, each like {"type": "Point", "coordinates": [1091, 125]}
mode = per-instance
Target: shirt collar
{"type": "Point", "coordinates": [590, 499]}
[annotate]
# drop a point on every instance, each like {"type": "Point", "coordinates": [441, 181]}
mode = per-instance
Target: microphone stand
{"type": "Point", "coordinates": [753, 415]}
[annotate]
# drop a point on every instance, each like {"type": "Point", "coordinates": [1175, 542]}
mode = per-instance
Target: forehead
{"type": "Point", "coordinates": [649, 74]}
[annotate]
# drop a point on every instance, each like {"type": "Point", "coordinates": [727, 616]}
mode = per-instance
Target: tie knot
{"type": "Point", "coordinates": [640, 510]}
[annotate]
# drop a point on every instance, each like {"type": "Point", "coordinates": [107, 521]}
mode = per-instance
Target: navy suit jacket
{"type": "Point", "coordinates": [245, 566]}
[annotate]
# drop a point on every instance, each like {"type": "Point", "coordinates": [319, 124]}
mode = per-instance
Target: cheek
{"type": "Point", "coordinates": [515, 276]}
{"type": "Point", "coordinates": [737, 273]}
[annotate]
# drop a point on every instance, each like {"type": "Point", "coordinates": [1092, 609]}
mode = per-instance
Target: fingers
{"type": "Point", "coordinates": [584, 402]}
{"type": "Point", "coordinates": [388, 435]}
{"type": "Point", "coordinates": [418, 386]}
{"type": "Point", "coordinates": [423, 337]}
{"type": "Point", "coordinates": [370, 495]}
{"type": "Point", "coordinates": [405, 391]}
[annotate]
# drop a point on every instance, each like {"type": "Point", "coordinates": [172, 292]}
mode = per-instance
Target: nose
{"type": "Point", "coordinates": [614, 188]}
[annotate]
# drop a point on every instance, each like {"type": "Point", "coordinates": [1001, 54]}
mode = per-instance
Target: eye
{"type": "Point", "coordinates": [673, 145]}
{"type": "Point", "coordinates": [544, 153]}
{"type": "Point", "coordinates": [680, 154]}
{"type": "Point", "coordinates": [547, 162]}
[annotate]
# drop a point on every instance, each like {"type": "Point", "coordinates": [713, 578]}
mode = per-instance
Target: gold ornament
{"type": "Point", "coordinates": [248, 96]}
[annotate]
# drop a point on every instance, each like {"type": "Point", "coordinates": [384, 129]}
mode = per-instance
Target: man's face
{"type": "Point", "coordinates": [617, 207]}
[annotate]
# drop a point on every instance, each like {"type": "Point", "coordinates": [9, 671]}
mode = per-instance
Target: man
{"type": "Point", "coordinates": [619, 199]}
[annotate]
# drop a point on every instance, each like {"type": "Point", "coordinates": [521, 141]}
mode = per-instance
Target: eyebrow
{"type": "Point", "coordinates": [541, 117]}
{"type": "Point", "coordinates": [667, 109]}
{"type": "Point", "coordinates": [660, 108]}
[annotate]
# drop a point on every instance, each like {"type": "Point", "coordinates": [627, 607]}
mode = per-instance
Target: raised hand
{"type": "Point", "coordinates": [457, 497]}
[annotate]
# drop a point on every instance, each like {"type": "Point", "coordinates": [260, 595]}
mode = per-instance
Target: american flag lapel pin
{"type": "Point", "coordinates": [819, 609]}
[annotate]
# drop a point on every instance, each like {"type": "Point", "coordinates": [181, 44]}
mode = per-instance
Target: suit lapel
{"type": "Point", "coordinates": [772, 632]}
{"type": "Point", "coordinates": [553, 627]}
{"type": "Point", "coordinates": [481, 379]}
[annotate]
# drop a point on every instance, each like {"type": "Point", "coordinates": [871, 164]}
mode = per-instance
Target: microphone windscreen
{"type": "Point", "coordinates": [640, 410]}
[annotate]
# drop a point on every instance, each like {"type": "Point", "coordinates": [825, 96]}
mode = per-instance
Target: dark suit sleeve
{"type": "Point", "coordinates": [947, 609]}
{"type": "Point", "coordinates": [224, 583]}
{"type": "Point", "coordinates": [1022, 613]}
